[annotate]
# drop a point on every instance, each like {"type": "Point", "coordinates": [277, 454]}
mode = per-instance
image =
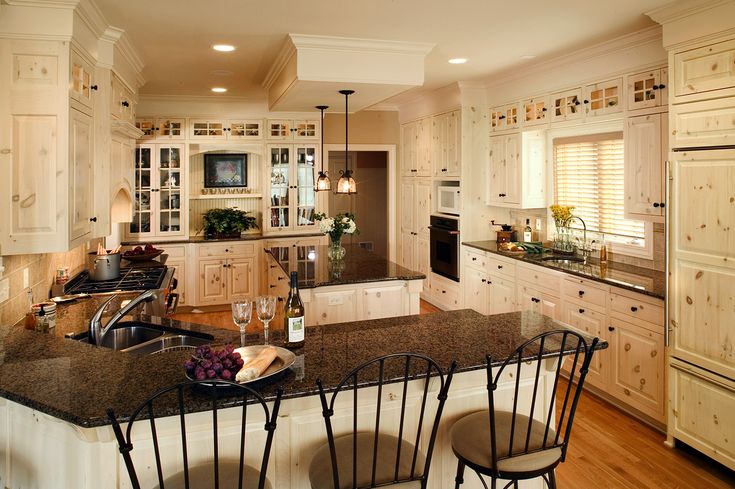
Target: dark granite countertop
{"type": "Point", "coordinates": [637, 279]}
{"type": "Point", "coordinates": [358, 266]}
{"type": "Point", "coordinates": [77, 382]}
{"type": "Point", "coordinates": [245, 237]}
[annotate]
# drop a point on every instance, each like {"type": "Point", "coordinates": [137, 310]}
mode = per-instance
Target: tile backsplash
{"type": "Point", "coordinates": [41, 272]}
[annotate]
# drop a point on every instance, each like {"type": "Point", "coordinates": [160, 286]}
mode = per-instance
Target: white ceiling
{"type": "Point", "coordinates": [174, 36]}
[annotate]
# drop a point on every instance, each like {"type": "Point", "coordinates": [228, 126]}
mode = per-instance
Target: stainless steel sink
{"type": "Point", "coordinates": [563, 260]}
{"type": "Point", "coordinates": [146, 338]}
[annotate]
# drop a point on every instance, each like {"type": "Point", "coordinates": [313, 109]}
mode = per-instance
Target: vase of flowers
{"type": "Point", "coordinates": [562, 241]}
{"type": "Point", "coordinates": [336, 227]}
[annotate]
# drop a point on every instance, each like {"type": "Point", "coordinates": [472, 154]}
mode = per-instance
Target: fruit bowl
{"type": "Point", "coordinates": [143, 257]}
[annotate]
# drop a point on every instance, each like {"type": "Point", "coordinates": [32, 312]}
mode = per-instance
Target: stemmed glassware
{"type": "Point", "coordinates": [266, 309]}
{"type": "Point", "coordinates": [242, 313]}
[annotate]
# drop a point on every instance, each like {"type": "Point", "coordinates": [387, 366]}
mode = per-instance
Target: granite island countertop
{"type": "Point", "coordinates": [642, 280]}
{"type": "Point", "coordinates": [358, 266]}
{"type": "Point", "coordinates": [243, 237]}
{"type": "Point", "coordinates": [77, 382]}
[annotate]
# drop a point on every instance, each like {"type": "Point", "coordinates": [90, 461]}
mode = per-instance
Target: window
{"type": "Point", "coordinates": [589, 175]}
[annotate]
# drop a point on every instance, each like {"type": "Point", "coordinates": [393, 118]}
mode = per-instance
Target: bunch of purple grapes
{"type": "Point", "coordinates": [207, 363]}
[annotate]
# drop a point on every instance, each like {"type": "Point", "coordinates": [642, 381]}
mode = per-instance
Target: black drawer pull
{"type": "Point", "coordinates": [656, 204]}
{"type": "Point", "coordinates": [500, 267]}
{"type": "Point", "coordinates": [610, 328]}
{"type": "Point", "coordinates": [633, 309]}
{"type": "Point", "coordinates": [581, 311]}
{"type": "Point", "coordinates": [483, 281]}
{"type": "Point", "coordinates": [474, 258]}
{"type": "Point", "coordinates": [581, 292]}
{"type": "Point", "coordinates": [92, 219]}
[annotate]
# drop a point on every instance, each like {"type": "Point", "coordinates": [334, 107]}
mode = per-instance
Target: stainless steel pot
{"type": "Point", "coordinates": [104, 267]}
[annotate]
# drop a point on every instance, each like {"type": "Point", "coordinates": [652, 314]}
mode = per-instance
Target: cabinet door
{"type": "Point", "coordinates": [305, 202]}
{"type": "Point", "coordinates": [512, 162]}
{"type": "Point", "coordinates": [169, 190]}
{"type": "Point", "coordinates": [179, 267]}
{"type": "Point", "coordinates": [279, 130]}
{"type": "Point", "coordinates": [502, 296]}
{"type": "Point", "coordinates": [408, 250]}
{"type": "Point", "coordinates": [495, 118]}
{"type": "Point", "coordinates": [496, 177]}
{"type": "Point", "coordinates": [384, 302]}
{"type": "Point", "coordinates": [638, 367]}
{"type": "Point", "coordinates": [423, 207]}
{"type": "Point", "coordinates": [423, 264]}
{"type": "Point", "coordinates": [476, 290]}
{"type": "Point", "coordinates": [566, 105]}
{"type": "Point", "coordinates": [240, 278]}
{"type": "Point", "coordinates": [305, 129]}
{"type": "Point", "coordinates": [171, 128]}
{"type": "Point", "coordinates": [279, 183]}
{"type": "Point", "coordinates": [212, 288]}
{"type": "Point", "coordinates": [644, 90]}
{"type": "Point", "coordinates": [604, 98]}
{"type": "Point", "coordinates": [80, 162]}
{"type": "Point", "coordinates": [331, 307]}
{"type": "Point", "coordinates": [527, 299]}
{"type": "Point", "coordinates": [534, 111]}
{"type": "Point", "coordinates": [245, 130]}
{"type": "Point", "coordinates": [423, 149]}
{"type": "Point", "coordinates": [409, 142]}
{"type": "Point", "coordinates": [511, 120]}
{"type": "Point", "coordinates": [408, 205]}
{"type": "Point", "coordinates": [148, 126]}
{"type": "Point", "coordinates": [550, 306]}
{"type": "Point", "coordinates": [592, 323]}
{"type": "Point", "coordinates": [705, 69]}
{"type": "Point", "coordinates": [453, 144]}
{"type": "Point", "coordinates": [643, 166]}
{"type": "Point", "coordinates": [207, 129]}
{"type": "Point", "coordinates": [142, 198]}
{"type": "Point", "coordinates": [439, 144]}
{"type": "Point", "coordinates": [80, 88]}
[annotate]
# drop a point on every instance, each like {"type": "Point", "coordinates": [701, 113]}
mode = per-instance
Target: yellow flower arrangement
{"type": "Point", "coordinates": [561, 213]}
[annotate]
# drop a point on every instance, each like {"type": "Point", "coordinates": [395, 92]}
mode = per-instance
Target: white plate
{"type": "Point", "coordinates": [68, 298]}
{"type": "Point", "coordinates": [284, 359]}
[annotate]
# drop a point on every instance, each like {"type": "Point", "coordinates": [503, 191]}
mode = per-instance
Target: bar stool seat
{"type": "Point", "coordinates": [470, 435]}
{"type": "Point", "coordinates": [320, 470]}
{"type": "Point", "coordinates": [202, 476]}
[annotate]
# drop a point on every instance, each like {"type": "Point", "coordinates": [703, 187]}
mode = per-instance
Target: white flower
{"type": "Point", "coordinates": [352, 227]}
{"type": "Point", "coordinates": [345, 220]}
{"type": "Point", "coordinates": [326, 225]}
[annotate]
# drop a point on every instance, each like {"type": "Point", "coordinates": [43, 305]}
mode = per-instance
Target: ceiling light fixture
{"type": "Point", "coordinates": [528, 56]}
{"type": "Point", "coordinates": [224, 48]}
{"type": "Point", "coordinates": [458, 61]}
{"type": "Point", "coordinates": [346, 184]}
{"type": "Point", "coordinates": [219, 90]}
{"type": "Point", "coordinates": [323, 182]}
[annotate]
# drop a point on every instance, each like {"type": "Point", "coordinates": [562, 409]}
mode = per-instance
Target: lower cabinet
{"type": "Point", "coordinates": [488, 293]}
{"type": "Point", "coordinates": [530, 298]}
{"type": "Point", "coordinates": [580, 317]}
{"type": "Point", "coordinates": [225, 272]}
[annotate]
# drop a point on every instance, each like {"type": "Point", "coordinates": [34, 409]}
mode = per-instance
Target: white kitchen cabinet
{"type": "Point", "coordinates": [160, 189]}
{"type": "Point", "coordinates": [476, 289]}
{"type": "Point", "coordinates": [504, 118]}
{"type": "Point", "coordinates": [226, 272]}
{"type": "Point", "coordinates": [240, 278]}
{"type": "Point", "coordinates": [415, 217]}
{"type": "Point", "coordinates": [162, 128]}
{"type": "Point", "coordinates": [82, 86]}
{"type": "Point", "coordinates": [207, 129]}
{"type": "Point", "coordinates": [646, 151]}
{"type": "Point", "coordinates": [648, 89]}
{"type": "Point", "coordinates": [586, 320]}
{"type": "Point", "coordinates": [488, 283]}
{"type": "Point", "coordinates": [530, 298]}
{"type": "Point", "coordinates": [122, 100]}
{"type": "Point", "coordinates": [535, 111]}
{"type": "Point", "coordinates": [703, 124]}
{"type": "Point", "coordinates": [604, 98]}
{"type": "Point", "coordinates": [704, 72]}
{"type": "Point", "coordinates": [445, 144]}
{"type": "Point", "coordinates": [517, 176]}
{"type": "Point", "coordinates": [567, 105]}
{"type": "Point", "coordinates": [211, 284]}
{"type": "Point", "coordinates": [386, 300]}
{"type": "Point", "coordinates": [290, 178]}
{"type": "Point", "coordinates": [287, 130]}
{"type": "Point", "coordinates": [80, 162]}
{"type": "Point", "coordinates": [245, 129]}
{"type": "Point", "coordinates": [213, 129]}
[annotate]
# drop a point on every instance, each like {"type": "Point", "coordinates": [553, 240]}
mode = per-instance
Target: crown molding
{"type": "Point", "coordinates": [382, 107]}
{"type": "Point", "coordinates": [288, 50]}
{"type": "Point", "coordinates": [618, 44]}
{"type": "Point", "coordinates": [683, 8]}
{"type": "Point", "coordinates": [92, 16]}
{"type": "Point", "coordinates": [65, 4]}
{"type": "Point", "coordinates": [359, 44]}
{"type": "Point", "coordinates": [154, 97]}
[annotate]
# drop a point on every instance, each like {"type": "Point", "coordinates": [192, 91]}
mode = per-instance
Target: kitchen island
{"type": "Point", "coordinates": [362, 285]}
{"type": "Point", "coordinates": [54, 432]}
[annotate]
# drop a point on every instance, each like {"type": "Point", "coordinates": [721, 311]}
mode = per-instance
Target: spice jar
{"type": "Point", "coordinates": [45, 313]}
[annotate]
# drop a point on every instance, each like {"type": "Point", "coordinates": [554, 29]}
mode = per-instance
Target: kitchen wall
{"type": "Point", "coordinates": [41, 270]}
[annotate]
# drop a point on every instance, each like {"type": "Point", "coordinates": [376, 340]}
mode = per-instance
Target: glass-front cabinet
{"type": "Point", "coordinates": [158, 198]}
{"type": "Point", "coordinates": [291, 177]}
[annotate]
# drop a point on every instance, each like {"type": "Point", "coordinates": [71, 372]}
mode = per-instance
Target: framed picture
{"type": "Point", "coordinates": [225, 170]}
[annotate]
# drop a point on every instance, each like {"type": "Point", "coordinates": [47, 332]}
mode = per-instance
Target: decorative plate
{"type": "Point", "coordinates": [284, 359]}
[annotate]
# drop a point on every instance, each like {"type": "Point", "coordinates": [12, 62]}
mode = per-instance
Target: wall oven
{"type": "Point", "coordinates": [444, 238]}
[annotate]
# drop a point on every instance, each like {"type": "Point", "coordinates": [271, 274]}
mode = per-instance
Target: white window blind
{"type": "Point", "coordinates": [588, 174]}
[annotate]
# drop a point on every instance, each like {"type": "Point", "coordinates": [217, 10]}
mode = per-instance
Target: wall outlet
{"type": "Point", "coordinates": [538, 224]}
{"type": "Point", "coordinates": [4, 290]}
{"type": "Point", "coordinates": [26, 278]}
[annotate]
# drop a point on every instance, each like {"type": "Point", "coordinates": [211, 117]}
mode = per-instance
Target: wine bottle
{"type": "Point", "coordinates": [293, 317]}
{"type": "Point", "coordinates": [527, 231]}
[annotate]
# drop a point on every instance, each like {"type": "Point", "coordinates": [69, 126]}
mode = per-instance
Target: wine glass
{"type": "Point", "coordinates": [266, 309]}
{"type": "Point", "coordinates": [242, 313]}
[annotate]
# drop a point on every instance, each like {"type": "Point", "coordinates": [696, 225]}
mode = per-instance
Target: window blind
{"type": "Point", "coordinates": [588, 174]}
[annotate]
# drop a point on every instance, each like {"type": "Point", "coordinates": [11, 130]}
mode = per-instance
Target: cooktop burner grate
{"type": "Point", "coordinates": [131, 279]}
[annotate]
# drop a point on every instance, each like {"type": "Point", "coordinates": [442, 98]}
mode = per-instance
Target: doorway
{"type": "Point", "coordinates": [371, 204]}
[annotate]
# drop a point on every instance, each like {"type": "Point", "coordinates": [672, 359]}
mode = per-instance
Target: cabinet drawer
{"type": "Point", "coordinates": [173, 251]}
{"type": "Point", "coordinates": [475, 258]}
{"type": "Point", "coordinates": [498, 265]}
{"type": "Point", "coordinates": [703, 124]}
{"type": "Point", "coordinates": [539, 277]}
{"type": "Point", "coordinates": [445, 291]}
{"type": "Point", "coordinates": [635, 308]}
{"type": "Point", "coordinates": [591, 293]}
{"type": "Point", "coordinates": [705, 69]}
{"type": "Point", "coordinates": [226, 249]}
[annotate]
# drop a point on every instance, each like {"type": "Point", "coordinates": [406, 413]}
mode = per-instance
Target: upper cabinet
{"type": "Point", "coordinates": [445, 144]}
{"type": "Point", "coordinates": [162, 128]}
{"type": "Point", "coordinates": [567, 105]}
{"type": "Point", "coordinates": [535, 111]}
{"type": "Point", "coordinates": [82, 84]}
{"type": "Point", "coordinates": [517, 176]}
{"type": "Point", "coordinates": [646, 147]}
{"type": "Point", "coordinates": [122, 100]}
{"type": "Point", "coordinates": [704, 72]}
{"type": "Point", "coordinates": [504, 118]}
{"type": "Point", "coordinates": [416, 148]}
{"type": "Point", "coordinates": [604, 97]}
{"type": "Point", "coordinates": [648, 89]}
{"type": "Point", "coordinates": [292, 130]}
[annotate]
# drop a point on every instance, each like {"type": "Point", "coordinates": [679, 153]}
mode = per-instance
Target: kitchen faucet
{"type": "Point", "coordinates": [97, 332]}
{"type": "Point", "coordinates": [585, 249]}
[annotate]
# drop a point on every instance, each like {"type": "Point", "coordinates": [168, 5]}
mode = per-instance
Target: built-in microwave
{"type": "Point", "coordinates": [448, 200]}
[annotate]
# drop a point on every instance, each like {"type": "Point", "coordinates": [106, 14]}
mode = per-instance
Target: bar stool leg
{"type": "Point", "coordinates": [552, 479]}
{"type": "Point", "coordinates": [459, 479]}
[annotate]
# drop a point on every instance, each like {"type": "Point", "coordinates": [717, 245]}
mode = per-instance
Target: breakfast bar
{"type": "Point", "coordinates": [55, 398]}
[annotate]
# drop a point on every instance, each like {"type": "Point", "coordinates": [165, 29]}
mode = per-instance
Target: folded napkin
{"type": "Point", "coordinates": [255, 367]}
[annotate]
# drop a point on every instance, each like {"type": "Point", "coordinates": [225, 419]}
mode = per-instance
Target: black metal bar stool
{"type": "Point", "coordinates": [368, 454]}
{"type": "Point", "coordinates": [220, 470]}
{"type": "Point", "coordinates": [514, 445]}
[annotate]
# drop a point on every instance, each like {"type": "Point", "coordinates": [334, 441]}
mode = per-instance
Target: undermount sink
{"type": "Point", "coordinates": [562, 259]}
{"type": "Point", "coordinates": [146, 338]}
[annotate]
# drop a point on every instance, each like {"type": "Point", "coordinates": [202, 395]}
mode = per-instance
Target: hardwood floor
{"type": "Point", "coordinates": [608, 448]}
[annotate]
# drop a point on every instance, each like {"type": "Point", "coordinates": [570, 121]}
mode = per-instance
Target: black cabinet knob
{"type": "Point", "coordinates": [500, 267]}
{"type": "Point", "coordinates": [483, 281]}
{"type": "Point", "coordinates": [125, 103]}
{"type": "Point", "coordinates": [586, 101]}
{"type": "Point", "coordinates": [474, 258]}
{"type": "Point", "coordinates": [581, 311]}
{"type": "Point", "coordinates": [662, 205]}
{"type": "Point", "coordinates": [93, 87]}
{"type": "Point", "coordinates": [92, 219]}
{"type": "Point", "coordinates": [544, 109]}
{"type": "Point", "coordinates": [633, 309]}
{"type": "Point", "coordinates": [655, 87]}
{"type": "Point", "coordinates": [501, 117]}
{"type": "Point", "coordinates": [656, 204]}
{"type": "Point", "coordinates": [662, 86]}
{"type": "Point", "coordinates": [581, 292]}
{"type": "Point", "coordinates": [610, 328]}
{"type": "Point", "coordinates": [576, 102]}
{"type": "Point", "coordinates": [272, 286]}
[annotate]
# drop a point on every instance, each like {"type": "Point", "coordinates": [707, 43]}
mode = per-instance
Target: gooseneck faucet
{"type": "Point", "coordinates": [585, 250]}
{"type": "Point", "coordinates": [97, 332]}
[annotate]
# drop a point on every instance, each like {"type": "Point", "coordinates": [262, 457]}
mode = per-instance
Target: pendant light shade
{"type": "Point", "coordinates": [346, 184]}
{"type": "Point", "coordinates": [322, 181]}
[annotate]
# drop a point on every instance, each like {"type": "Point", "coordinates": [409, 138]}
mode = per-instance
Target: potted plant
{"type": "Point", "coordinates": [227, 223]}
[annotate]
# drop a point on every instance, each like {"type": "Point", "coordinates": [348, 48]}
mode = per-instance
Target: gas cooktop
{"type": "Point", "coordinates": [130, 280]}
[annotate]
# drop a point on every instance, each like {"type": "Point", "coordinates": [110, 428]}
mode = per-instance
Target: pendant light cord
{"type": "Point", "coordinates": [347, 118]}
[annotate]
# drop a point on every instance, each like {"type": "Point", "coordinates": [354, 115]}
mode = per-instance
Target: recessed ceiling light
{"type": "Point", "coordinates": [221, 73]}
{"type": "Point", "coordinates": [528, 56]}
{"type": "Point", "coordinates": [219, 90]}
{"type": "Point", "coordinates": [225, 48]}
{"type": "Point", "coordinates": [458, 61]}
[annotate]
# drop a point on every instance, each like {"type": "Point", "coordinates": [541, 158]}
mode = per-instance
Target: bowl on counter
{"type": "Point", "coordinates": [143, 257]}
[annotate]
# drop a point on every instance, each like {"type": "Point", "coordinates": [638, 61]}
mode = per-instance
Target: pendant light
{"type": "Point", "coordinates": [346, 184]}
{"type": "Point", "coordinates": [322, 182]}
